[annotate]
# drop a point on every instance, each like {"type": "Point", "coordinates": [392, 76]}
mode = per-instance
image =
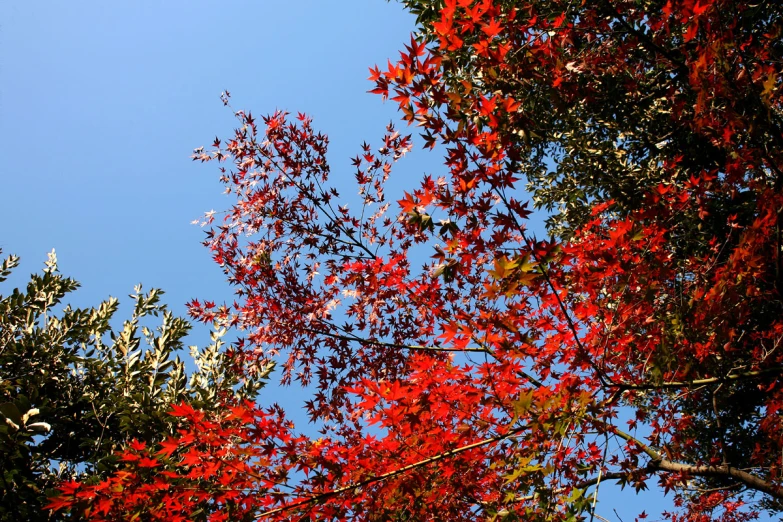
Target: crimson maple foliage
{"type": "Point", "coordinates": [509, 377]}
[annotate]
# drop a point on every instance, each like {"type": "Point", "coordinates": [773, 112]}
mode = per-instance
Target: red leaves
{"type": "Point", "coordinates": [487, 106]}
{"type": "Point", "coordinates": [559, 20]}
{"type": "Point", "coordinates": [652, 308]}
{"type": "Point", "coordinates": [147, 462]}
{"type": "Point", "coordinates": [223, 460]}
{"type": "Point", "coordinates": [65, 498]}
{"type": "Point", "coordinates": [690, 31]}
{"type": "Point", "coordinates": [456, 334]}
{"type": "Point", "coordinates": [699, 9]}
{"type": "Point", "coordinates": [182, 410]}
{"type": "Point", "coordinates": [168, 447]}
{"type": "Point", "coordinates": [491, 29]}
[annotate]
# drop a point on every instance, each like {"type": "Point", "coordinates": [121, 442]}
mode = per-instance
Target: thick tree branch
{"type": "Point", "coordinates": [393, 473]}
{"type": "Point", "coordinates": [659, 463]}
{"type": "Point", "coordinates": [752, 481]}
{"type": "Point", "coordinates": [699, 382]}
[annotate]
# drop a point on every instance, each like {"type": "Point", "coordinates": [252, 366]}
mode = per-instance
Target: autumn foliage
{"type": "Point", "coordinates": [463, 368]}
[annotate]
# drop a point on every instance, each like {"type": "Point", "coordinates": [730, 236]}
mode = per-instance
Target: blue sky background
{"type": "Point", "coordinates": [102, 103]}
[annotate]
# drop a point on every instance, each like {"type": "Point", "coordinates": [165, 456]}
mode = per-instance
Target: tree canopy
{"type": "Point", "coordinates": [462, 367]}
{"type": "Point", "coordinates": [75, 390]}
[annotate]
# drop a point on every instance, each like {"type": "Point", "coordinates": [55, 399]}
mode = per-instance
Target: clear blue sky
{"type": "Point", "coordinates": [101, 104]}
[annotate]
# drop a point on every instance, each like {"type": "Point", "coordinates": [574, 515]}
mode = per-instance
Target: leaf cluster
{"type": "Point", "coordinates": [75, 391]}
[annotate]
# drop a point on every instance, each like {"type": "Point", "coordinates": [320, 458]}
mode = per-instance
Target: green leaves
{"type": "Point", "coordinates": [73, 390]}
{"type": "Point", "coordinates": [18, 422]}
{"type": "Point", "coordinates": [9, 264]}
{"type": "Point", "coordinates": [12, 415]}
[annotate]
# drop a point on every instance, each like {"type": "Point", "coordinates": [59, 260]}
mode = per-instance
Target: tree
{"type": "Point", "coordinates": [637, 95]}
{"type": "Point", "coordinates": [626, 87]}
{"type": "Point", "coordinates": [510, 377]}
{"type": "Point", "coordinates": [74, 391]}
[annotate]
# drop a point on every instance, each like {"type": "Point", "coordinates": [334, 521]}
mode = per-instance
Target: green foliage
{"type": "Point", "coordinates": [74, 391]}
{"type": "Point", "coordinates": [633, 98]}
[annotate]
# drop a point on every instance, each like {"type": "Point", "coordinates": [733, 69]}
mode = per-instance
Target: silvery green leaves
{"type": "Point", "coordinates": [74, 390]}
